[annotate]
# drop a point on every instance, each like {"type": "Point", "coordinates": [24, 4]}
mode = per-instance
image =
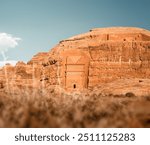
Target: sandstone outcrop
{"type": "Point", "coordinates": [85, 61]}
{"type": "Point", "coordinates": [111, 53]}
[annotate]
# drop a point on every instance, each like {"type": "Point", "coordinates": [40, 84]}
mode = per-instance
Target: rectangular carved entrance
{"type": "Point", "coordinates": [75, 76]}
{"type": "Point", "coordinates": [74, 70]}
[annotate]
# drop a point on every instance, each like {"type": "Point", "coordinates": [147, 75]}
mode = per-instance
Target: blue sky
{"type": "Point", "coordinates": [41, 24]}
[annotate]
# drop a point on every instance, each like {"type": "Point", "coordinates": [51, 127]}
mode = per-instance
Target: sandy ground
{"type": "Point", "coordinates": [140, 87]}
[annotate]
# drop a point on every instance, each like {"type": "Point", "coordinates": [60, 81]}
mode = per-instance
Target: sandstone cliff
{"type": "Point", "coordinates": [113, 53]}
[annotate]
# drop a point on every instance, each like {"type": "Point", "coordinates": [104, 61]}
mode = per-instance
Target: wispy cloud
{"type": "Point", "coordinates": [8, 41]}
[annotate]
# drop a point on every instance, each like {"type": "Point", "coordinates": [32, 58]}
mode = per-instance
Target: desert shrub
{"type": "Point", "coordinates": [147, 98]}
{"type": "Point", "coordinates": [118, 96]}
{"type": "Point", "coordinates": [58, 109]}
{"type": "Point", "coordinates": [130, 94]}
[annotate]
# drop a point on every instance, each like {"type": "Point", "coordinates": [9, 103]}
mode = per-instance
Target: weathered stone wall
{"type": "Point", "coordinates": [111, 53]}
{"type": "Point", "coordinates": [113, 60]}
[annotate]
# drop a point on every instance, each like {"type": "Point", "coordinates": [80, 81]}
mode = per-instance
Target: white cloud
{"type": "Point", "coordinates": [8, 41]}
{"type": "Point", "coordinates": [12, 62]}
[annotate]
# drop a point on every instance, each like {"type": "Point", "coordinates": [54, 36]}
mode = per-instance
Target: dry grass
{"type": "Point", "coordinates": [57, 109]}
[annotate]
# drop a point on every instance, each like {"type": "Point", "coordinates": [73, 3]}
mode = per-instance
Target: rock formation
{"type": "Point", "coordinates": [85, 61]}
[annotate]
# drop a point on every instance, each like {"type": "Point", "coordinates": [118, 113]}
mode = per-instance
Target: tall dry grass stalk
{"type": "Point", "coordinates": [52, 108]}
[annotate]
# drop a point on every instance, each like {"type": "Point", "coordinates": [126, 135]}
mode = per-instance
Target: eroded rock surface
{"type": "Point", "coordinates": [100, 56]}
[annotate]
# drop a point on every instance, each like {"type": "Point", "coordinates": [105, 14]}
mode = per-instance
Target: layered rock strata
{"type": "Point", "coordinates": [85, 61]}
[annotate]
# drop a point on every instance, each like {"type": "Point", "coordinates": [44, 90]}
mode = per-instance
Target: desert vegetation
{"type": "Point", "coordinates": [55, 108]}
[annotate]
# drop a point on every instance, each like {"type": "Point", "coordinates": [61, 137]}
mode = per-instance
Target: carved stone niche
{"type": "Point", "coordinates": [75, 69]}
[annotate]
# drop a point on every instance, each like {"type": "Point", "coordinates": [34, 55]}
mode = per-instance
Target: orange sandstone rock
{"type": "Point", "coordinates": [87, 60]}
